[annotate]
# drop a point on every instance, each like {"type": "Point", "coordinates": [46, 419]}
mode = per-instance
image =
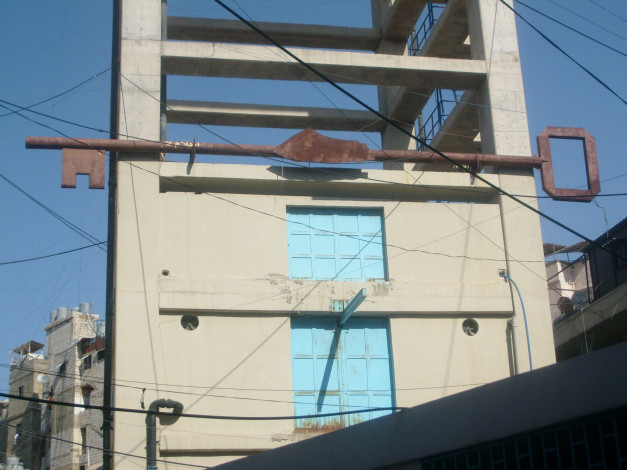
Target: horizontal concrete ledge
{"type": "Point", "coordinates": [324, 188]}
{"type": "Point", "coordinates": [286, 34]}
{"type": "Point", "coordinates": [278, 295]}
{"type": "Point", "coordinates": [352, 183]}
{"type": "Point", "coordinates": [258, 115]}
{"type": "Point", "coordinates": [574, 389]}
{"type": "Point", "coordinates": [265, 62]}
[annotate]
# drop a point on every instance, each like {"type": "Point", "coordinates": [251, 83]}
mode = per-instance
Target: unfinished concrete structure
{"type": "Point", "coordinates": [225, 281]}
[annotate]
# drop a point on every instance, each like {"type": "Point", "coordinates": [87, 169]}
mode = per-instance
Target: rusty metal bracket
{"type": "Point", "coordinates": [592, 167]}
{"type": "Point", "coordinates": [83, 162]}
{"type": "Point", "coordinates": [192, 155]}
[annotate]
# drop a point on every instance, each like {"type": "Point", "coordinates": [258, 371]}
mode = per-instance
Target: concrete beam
{"type": "Point", "coordinates": [285, 117]}
{"type": "Point", "coordinates": [460, 130]}
{"type": "Point", "coordinates": [287, 34]}
{"type": "Point", "coordinates": [448, 38]}
{"type": "Point", "coordinates": [399, 17]}
{"type": "Point", "coordinates": [264, 62]}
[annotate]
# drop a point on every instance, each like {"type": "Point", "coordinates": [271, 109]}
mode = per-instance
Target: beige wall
{"type": "Point", "coordinates": [211, 255]}
{"type": "Point", "coordinates": [24, 373]}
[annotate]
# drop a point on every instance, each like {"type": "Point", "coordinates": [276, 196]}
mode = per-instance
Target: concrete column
{"type": "Point", "coordinates": [137, 243]}
{"type": "Point", "coordinates": [503, 127]}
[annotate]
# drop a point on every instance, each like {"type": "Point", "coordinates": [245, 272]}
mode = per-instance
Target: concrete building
{"type": "Point", "coordinates": [602, 321]}
{"type": "Point", "coordinates": [569, 281]}
{"type": "Point", "coordinates": [230, 279]}
{"type": "Point", "coordinates": [23, 419]}
{"type": "Point", "coordinates": [4, 408]}
{"type": "Point", "coordinates": [75, 344]}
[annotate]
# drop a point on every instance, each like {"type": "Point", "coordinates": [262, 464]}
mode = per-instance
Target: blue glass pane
{"type": "Point", "coordinates": [323, 244]}
{"type": "Point", "coordinates": [301, 268]}
{"type": "Point", "coordinates": [347, 222]}
{"type": "Point", "coordinates": [324, 268]}
{"type": "Point", "coordinates": [332, 237]}
{"type": "Point", "coordinates": [300, 244]}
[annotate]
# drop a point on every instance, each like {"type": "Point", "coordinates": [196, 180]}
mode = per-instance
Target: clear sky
{"type": "Point", "coordinates": [48, 47]}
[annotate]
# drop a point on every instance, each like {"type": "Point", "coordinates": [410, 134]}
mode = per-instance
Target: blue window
{"type": "Point", "coordinates": [342, 244]}
{"type": "Point", "coordinates": [340, 369]}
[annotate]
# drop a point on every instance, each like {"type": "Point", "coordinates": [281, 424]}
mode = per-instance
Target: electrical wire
{"type": "Point", "coordinates": [588, 20]}
{"type": "Point", "coordinates": [25, 260]}
{"type": "Point", "coordinates": [201, 416]}
{"type": "Point", "coordinates": [600, 5]}
{"type": "Point", "coordinates": [570, 28]}
{"type": "Point", "coordinates": [577, 63]}
{"type": "Point", "coordinates": [102, 449]}
{"type": "Point", "coordinates": [57, 216]}
{"type": "Point", "coordinates": [58, 95]}
{"type": "Point", "coordinates": [146, 386]}
{"type": "Point", "coordinates": [401, 129]}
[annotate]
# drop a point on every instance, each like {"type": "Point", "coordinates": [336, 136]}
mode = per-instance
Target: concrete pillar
{"type": "Point", "coordinates": [503, 127]}
{"type": "Point", "coordinates": [137, 310]}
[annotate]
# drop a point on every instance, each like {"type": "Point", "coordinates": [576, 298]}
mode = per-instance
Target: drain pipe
{"type": "Point", "coordinates": [151, 427]}
{"type": "Point", "coordinates": [505, 276]}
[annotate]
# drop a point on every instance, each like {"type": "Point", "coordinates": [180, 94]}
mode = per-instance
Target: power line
{"type": "Point", "coordinates": [570, 28]}
{"type": "Point", "coordinates": [51, 255]}
{"type": "Point", "coordinates": [401, 129]}
{"type": "Point", "coordinates": [57, 216]}
{"type": "Point", "coordinates": [577, 63]}
{"type": "Point", "coordinates": [588, 20]}
{"type": "Point", "coordinates": [614, 14]}
{"type": "Point", "coordinates": [102, 449]}
{"type": "Point", "coordinates": [69, 90]}
{"type": "Point", "coordinates": [201, 416]}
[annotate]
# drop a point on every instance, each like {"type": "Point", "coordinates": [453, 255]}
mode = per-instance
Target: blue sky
{"type": "Point", "coordinates": [49, 47]}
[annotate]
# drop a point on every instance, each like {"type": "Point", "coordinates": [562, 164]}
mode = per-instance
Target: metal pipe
{"type": "Point", "coordinates": [108, 399]}
{"type": "Point", "coordinates": [513, 326]}
{"type": "Point", "coordinates": [151, 427]}
{"type": "Point", "coordinates": [140, 146]}
{"type": "Point", "coordinates": [524, 317]}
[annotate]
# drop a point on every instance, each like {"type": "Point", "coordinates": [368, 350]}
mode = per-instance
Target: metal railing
{"type": "Point", "coordinates": [441, 102]}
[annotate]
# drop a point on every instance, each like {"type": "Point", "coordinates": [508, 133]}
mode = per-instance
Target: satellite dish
{"type": "Point", "coordinates": [565, 304]}
{"type": "Point", "coordinates": [42, 378]}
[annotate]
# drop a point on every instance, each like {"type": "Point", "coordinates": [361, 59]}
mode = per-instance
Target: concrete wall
{"type": "Point", "coordinates": [223, 255]}
{"type": "Point", "coordinates": [24, 374]}
{"type": "Point", "coordinates": [62, 341]}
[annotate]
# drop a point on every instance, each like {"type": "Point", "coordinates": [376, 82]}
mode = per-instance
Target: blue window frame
{"type": "Point", "coordinates": [340, 369]}
{"type": "Point", "coordinates": [343, 244]}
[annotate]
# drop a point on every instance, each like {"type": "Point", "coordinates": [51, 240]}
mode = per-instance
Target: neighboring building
{"type": "Point", "coordinates": [601, 322]}
{"type": "Point", "coordinates": [4, 408]}
{"type": "Point", "coordinates": [75, 348]}
{"type": "Point", "coordinates": [24, 418]}
{"type": "Point", "coordinates": [569, 282]}
{"type": "Point", "coordinates": [230, 279]}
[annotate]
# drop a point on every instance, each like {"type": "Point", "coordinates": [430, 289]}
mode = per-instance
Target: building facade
{"type": "Point", "coordinates": [23, 420]}
{"type": "Point", "coordinates": [602, 321]}
{"type": "Point", "coordinates": [75, 350]}
{"type": "Point", "coordinates": [232, 279]}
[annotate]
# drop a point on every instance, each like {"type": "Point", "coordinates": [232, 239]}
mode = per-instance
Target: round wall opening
{"type": "Point", "coordinates": [470, 327]}
{"type": "Point", "coordinates": [189, 322]}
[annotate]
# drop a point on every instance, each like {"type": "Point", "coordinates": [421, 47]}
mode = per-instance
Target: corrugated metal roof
{"type": "Point", "coordinates": [28, 347]}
